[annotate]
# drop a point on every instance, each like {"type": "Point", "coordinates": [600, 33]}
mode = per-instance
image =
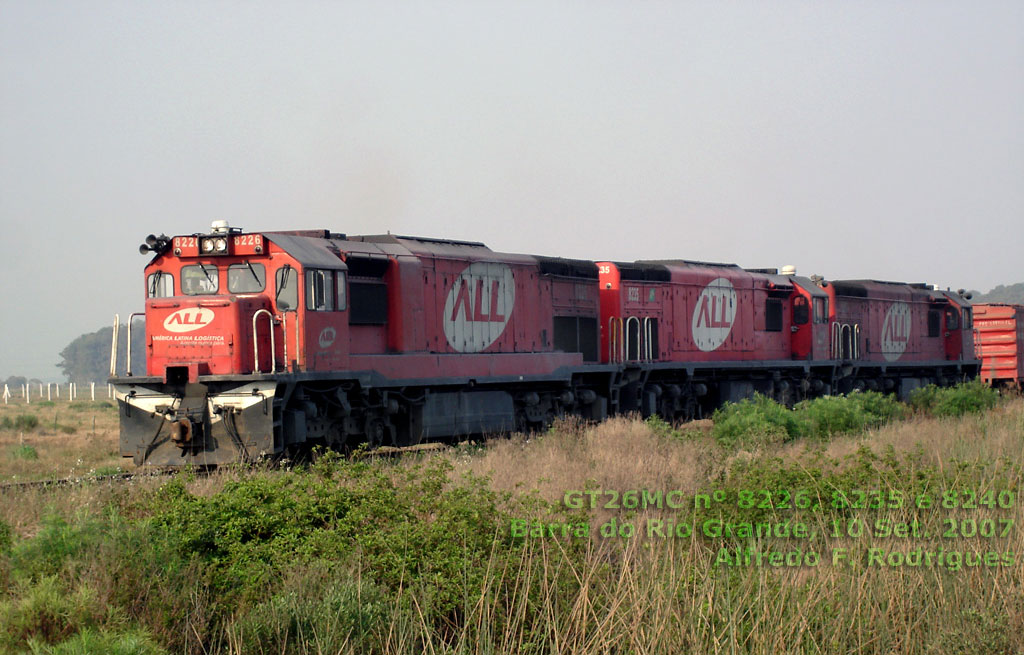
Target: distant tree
{"type": "Point", "coordinates": [87, 358]}
{"type": "Point", "coordinates": [15, 381]}
{"type": "Point", "coordinates": [1013, 293]}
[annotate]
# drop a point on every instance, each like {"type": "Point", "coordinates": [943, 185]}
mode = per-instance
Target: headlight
{"type": "Point", "coordinates": [221, 244]}
{"type": "Point", "coordinates": [207, 245]}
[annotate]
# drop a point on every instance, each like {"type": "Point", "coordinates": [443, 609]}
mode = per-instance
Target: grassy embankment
{"type": "Point", "coordinates": [419, 555]}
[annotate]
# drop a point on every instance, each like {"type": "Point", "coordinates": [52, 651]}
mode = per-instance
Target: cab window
{"type": "Point", "coordinates": [320, 292]}
{"type": "Point", "coordinates": [286, 282]}
{"type": "Point", "coordinates": [342, 303]}
{"type": "Point", "coordinates": [951, 319]}
{"type": "Point", "coordinates": [160, 285]}
{"type": "Point", "coordinates": [800, 313]}
{"type": "Point", "coordinates": [199, 280]}
{"type": "Point", "coordinates": [246, 278]}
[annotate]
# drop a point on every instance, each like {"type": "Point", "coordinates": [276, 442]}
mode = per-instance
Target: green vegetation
{"type": "Point", "coordinates": [21, 422]}
{"type": "Point", "coordinates": [24, 451]}
{"type": "Point", "coordinates": [762, 420]}
{"type": "Point", "coordinates": [967, 398]}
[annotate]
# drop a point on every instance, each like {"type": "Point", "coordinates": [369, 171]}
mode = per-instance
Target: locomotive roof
{"type": "Point", "coordinates": [861, 288]}
{"type": "Point", "coordinates": [307, 250]}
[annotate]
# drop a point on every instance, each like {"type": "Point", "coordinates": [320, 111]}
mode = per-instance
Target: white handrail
{"type": "Point", "coordinates": [256, 343]}
{"type": "Point", "coordinates": [131, 317]}
{"type": "Point", "coordinates": [629, 320]}
{"type": "Point", "coordinates": [113, 346]}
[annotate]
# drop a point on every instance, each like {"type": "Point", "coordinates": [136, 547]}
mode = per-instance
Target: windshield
{"type": "Point", "coordinates": [246, 278]}
{"type": "Point", "coordinates": [199, 280]}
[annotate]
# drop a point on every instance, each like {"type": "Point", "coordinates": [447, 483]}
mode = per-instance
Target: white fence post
{"type": "Point", "coordinates": [48, 394]}
{"type": "Point", "coordinates": [28, 394]}
{"type": "Point", "coordinates": [7, 394]}
{"type": "Point", "coordinates": [92, 390]}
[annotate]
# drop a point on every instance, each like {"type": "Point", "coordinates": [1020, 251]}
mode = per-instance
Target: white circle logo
{"type": "Point", "coordinates": [714, 314]}
{"type": "Point", "coordinates": [895, 331]}
{"type": "Point", "coordinates": [187, 320]}
{"type": "Point", "coordinates": [327, 336]}
{"type": "Point", "coordinates": [478, 306]}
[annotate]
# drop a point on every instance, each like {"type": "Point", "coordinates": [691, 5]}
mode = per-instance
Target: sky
{"type": "Point", "coordinates": [863, 139]}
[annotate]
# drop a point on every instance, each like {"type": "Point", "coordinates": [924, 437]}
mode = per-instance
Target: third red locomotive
{"type": "Point", "coordinates": [261, 343]}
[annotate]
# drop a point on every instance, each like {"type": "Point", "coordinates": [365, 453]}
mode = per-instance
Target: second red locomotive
{"type": "Point", "coordinates": [260, 343]}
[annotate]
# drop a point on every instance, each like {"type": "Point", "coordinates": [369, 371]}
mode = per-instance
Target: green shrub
{"type": "Point", "coordinates": [55, 545]}
{"type": "Point", "coordinates": [879, 408]}
{"type": "Point", "coordinates": [80, 405]}
{"type": "Point", "coordinates": [90, 642]}
{"type": "Point", "coordinates": [831, 415]}
{"type": "Point", "coordinates": [759, 418]}
{"type": "Point", "coordinates": [415, 530]}
{"type": "Point", "coordinates": [662, 428]}
{"type": "Point", "coordinates": [24, 451]}
{"type": "Point", "coordinates": [965, 398]}
{"type": "Point", "coordinates": [6, 537]}
{"type": "Point", "coordinates": [43, 610]}
{"type": "Point", "coordinates": [26, 422]}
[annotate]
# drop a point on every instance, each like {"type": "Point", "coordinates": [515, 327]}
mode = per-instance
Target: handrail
{"type": "Point", "coordinates": [113, 345]}
{"type": "Point", "coordinates": [256, 343]}
{"type": "Point", "coordinates": [629, 320]}
{"type": "Point", "coordinates": [613, 336]}
{"type": "Point", "coordinates": [845, 340]}
{"type": "Point", "coordinates": [128, 366]}
{"type": "Point", "coordinates": [648, 339]}
{"type": "Point", "coordinates": [298, 349]}
{"type": "Point", "coordinates": [284, 338]}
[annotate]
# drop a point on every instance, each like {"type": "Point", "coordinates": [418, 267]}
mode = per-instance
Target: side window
{"type": "Point", "coordinates": [342, 303]}
{"type": "Point", "coordinates": [199, 280]}
{"type": "Point", "coordinates": [369, 303]}
{"type": "Point", "coordinates": [287, 288]}
{"type": "Point", "coordinates": [800, 312]}
{"type": "Point", "coordinates": [160, 285]}
{"type": "Point", "coordinates": [934, 323]}
{"type": "Point", "coordinates": [773, 315]}
{"type": "Point", "coordinates": [967, 318]}
{"type": "Point", "coordinates": [820, 310]}
{"type": "Point", "coordinates": [246, 278]}
{"type": "Point", "coordinates": [320, 292]}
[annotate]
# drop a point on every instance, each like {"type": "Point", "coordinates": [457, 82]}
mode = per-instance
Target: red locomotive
{"type": "Point", "coordinates": [258, 344]}
{"type": "Point", "coordinates": [1000, 343]}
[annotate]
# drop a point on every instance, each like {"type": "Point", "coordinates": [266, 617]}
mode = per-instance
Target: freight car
{"type": "Point", "coordinates": [999, 340]}
{"type": "Point", "coordinates": [259, 344]}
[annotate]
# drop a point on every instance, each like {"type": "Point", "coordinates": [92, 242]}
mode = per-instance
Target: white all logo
{"type": "Point", "coordinates": [187, 320]}
{"type": "Point", "coordinates": [478, 306]}
{"type": "Point", "coordinates": [327, 337]}
{"type": "Point", "coordinates": [895, 331]}
{"type": "Point", "coordinates": [714, 314]}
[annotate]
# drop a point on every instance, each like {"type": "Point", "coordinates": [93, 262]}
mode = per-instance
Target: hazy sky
{"type": "Point", "coordinates": [852, 139]}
